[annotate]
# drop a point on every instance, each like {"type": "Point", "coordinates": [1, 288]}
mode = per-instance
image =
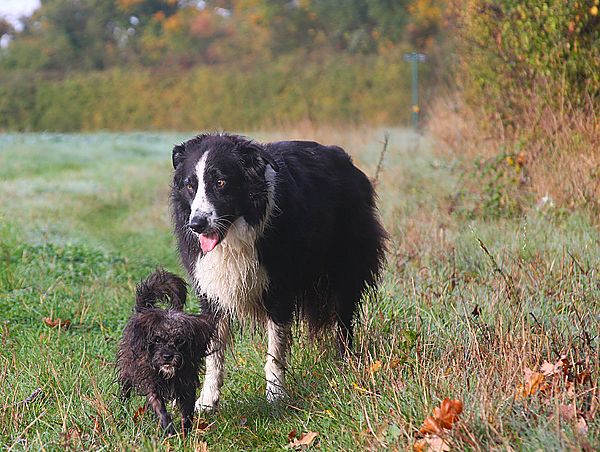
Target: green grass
{"type": "Point", "coordinates": [84, 217]}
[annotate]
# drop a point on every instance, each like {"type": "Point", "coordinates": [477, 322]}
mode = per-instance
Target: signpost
{"type": "Point", "coordinates": [415, 58]}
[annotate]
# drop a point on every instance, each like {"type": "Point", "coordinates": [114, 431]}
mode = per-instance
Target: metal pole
{"type": "Point", "coordinates": [415, 90]}
{"type": "Point", "coordinates": [415, 58]}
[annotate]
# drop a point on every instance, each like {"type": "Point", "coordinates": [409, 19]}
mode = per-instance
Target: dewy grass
{"type": "Point", "coordinates": [84, 217]}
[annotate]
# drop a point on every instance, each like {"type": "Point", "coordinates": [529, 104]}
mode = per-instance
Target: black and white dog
{"type": "Point", "coordinates": [272, 231]}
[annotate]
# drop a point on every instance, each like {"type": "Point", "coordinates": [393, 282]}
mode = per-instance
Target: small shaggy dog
{"type": "Point", "coordinates": [161, 350]}
{"type": "Point", "coordinates": [272, 232]}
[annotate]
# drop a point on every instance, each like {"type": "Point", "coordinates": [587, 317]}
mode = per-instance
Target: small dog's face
{"type": "Point", "coordinates": [167, 352]}
{"type": "Point", "coordinates": [172, 340]}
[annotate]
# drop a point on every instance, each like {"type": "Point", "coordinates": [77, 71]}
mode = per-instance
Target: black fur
{"type": "Point", "coordinates": [155, 338]}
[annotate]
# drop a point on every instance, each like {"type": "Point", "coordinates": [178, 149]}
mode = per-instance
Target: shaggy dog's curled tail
{"type": "Point", "coordinates": [161, 286]}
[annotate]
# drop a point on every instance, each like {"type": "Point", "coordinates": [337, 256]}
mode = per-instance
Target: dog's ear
{"type": "Point", "coordinates": [138, 331]}
{"type": "Point", "coordinates": [178, 155]}
{"type": "Point", "coordinates": [251, 150]}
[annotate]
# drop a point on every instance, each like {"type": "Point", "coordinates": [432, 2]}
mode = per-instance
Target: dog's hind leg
{"type": "Point", "coordinates": [279, 346]}
{"type": "Point", "coordinates": [215, 366]}
{"type": "Point", "coordinates": [158, 406]}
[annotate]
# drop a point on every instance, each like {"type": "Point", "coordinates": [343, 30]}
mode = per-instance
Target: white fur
{"type": "Point", "coordinates": [232, 278]}
{"type": "Point", "coordinates": [213, 380]}
{"type": "Point", "coordinates": [279, 343]}
{"type": "Point", "coordinates": [230, 275]}
{"type": "Point", "coordinates": [201, 204]}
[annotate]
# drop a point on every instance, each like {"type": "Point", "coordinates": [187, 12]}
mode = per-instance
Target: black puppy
{"type": "Point", "coordinates": [162, 349]}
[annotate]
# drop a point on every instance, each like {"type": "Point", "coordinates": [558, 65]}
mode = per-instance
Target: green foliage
{"type": "Point", "coordinates": [366, 89]}
{"type": "Point", "coordinates": [512, 50]}
{"type": "Point", "coordinates": [495, 188]}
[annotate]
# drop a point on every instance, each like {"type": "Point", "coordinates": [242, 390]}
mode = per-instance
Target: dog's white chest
{"type": "Point", "coordinates": [231, 275]}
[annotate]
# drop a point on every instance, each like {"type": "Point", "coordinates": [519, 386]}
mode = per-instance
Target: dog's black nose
{"type": "Point", "coordinates": [168, 357]}
{"type": "Point", "coordinates": [198, 223]}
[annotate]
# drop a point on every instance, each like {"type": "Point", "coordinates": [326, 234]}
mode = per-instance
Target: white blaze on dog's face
{"type": "Point", "coordinates": [223, 182]}
{"type": "Point", "coordinates": [202, 210]}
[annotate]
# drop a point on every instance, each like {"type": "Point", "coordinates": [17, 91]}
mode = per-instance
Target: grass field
{"type": "Point", "coordinates": [468, 305]}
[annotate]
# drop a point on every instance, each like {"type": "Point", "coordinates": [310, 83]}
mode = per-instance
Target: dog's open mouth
{"type": "Point", "coordinates": [167, 371]}
{"type": "Point", "coordinates": [209, 240]}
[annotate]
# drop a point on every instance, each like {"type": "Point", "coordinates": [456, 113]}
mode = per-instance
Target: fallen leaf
{"type": "Point", "coordinates": [431, 425]}
{"type": "Point", "coordinates": [395, 362]}
{"type": "Point", "coordinates": [243, 421]}
{"type": "Point", "coordinates": [202, 425]}
{"type": "Point", "coordinates": [292, 435]}
{"type": "Point", "coordinates": [138, 413]}
{"type": "Point", "coordinates": [57, 323]}
{"type": "Point", "coordinates": [534, 381]}
{"type": "Point", "coordinates": [420, 445]}
{"type": "Point", "coordinates": [305, 440]}
{"type": "Point", "coordinates": [448, 412]}
{"type": "Point", "coordinates": [436, 444]}
{"type": "Point", "coordinates": [549, 369]}
{"type": "Point", "coordinates": [375, 367]}
{"type": "Point", "coordinates": [201, 447]}
{"type": "Point", "coordinates": [431, 443]}
{"type": "Point", "coordinates": [583, 377]}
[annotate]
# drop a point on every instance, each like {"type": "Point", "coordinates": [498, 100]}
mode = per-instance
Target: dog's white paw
{"type": "Point", "coordinates": [208, 402]}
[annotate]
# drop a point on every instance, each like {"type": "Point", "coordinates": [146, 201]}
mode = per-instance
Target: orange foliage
{"type": "Point", "coordinates": [203, 25]}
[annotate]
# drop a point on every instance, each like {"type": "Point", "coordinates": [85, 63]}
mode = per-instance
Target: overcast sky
{"type": "Point", "coordinates": [13, 9]}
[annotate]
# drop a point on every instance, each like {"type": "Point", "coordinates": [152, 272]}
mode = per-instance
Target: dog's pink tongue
{"type": "Point", "coordinates": [208, 241]}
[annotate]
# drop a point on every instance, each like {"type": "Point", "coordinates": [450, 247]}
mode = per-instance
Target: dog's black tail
{"type": "Point", "coordinates": [161, 286]}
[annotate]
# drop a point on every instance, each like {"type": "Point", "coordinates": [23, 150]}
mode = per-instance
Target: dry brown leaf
{"type": "Point", "coordinates": [443, 417]}
{"type": "Point", "coordinates": [431, 425]}
{"type": "Point", "coordinates": [436, 444]}
{"type": "Point", "coordinates": [57, 323]}
{"type": "Point", "coordinates": [138, 413]}
{"type": "Point", "coordinates": [549, 369]}
{"type": "Point", "coordinates": [448, 412]}
{"type": "Point", "coordinates": [375, 367]}
{"type": "Point", "coordinates": [431, 443]}
{"type": "Point", "coordinates": [534, 382]}
{"type": "Point", "coordinates": [201, 447]}
{"type": "Point", "coordinates": [420, 445]}
{"type": "Point", "coordinates": [202, 425]}
{"type": "Point", "coordinates": [395, 362]}
{"type": "Point", "coordinates": [583, 377]}
{"type": "Point", "coordinates": [305, 440]}
{"type": "Point", "coordinates": [292, 435]}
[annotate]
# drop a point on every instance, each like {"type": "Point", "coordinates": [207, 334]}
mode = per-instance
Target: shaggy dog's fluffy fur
{"type": "Point", "coordinates": [162, 349]}
{"type": "Point", "coordinates": [272, 232]}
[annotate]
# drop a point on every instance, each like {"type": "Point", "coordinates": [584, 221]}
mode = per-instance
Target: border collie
{"type": "Point", "coordinates": [272, 232]}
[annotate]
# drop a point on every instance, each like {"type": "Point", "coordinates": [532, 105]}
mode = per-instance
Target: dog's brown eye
{"type": "Point", "coordinates": [190, 187]}
{"type": "Point", "coordinates": [156, 339]}
{"type": "Point", "coordinates": [220, 183]}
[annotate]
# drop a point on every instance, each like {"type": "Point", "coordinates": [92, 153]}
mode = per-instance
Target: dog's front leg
{"type": "Point", "coordinates": [186, 406]}
{"type": "Point", "coordinates": [158, 406]}
{"type": "Point", "coordinates": [279, 345]}
{"type": "Point", "coordinates": [215, 367]}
